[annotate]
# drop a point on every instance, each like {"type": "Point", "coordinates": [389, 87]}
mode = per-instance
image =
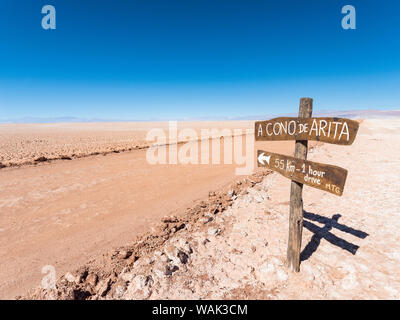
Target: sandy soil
{"type": "Point", "coordinates": [64, 213]}
{"type": "Point", "coordinates": [234, 244]}
{"type": "Point", "coordinates": [22, 144]}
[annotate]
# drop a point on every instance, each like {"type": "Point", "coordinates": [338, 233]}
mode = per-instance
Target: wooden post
{"type": "Point", "coordinates": [296, 200]}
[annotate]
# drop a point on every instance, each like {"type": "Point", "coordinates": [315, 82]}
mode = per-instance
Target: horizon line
{"type": "Point", "coordinates": [74, 119]}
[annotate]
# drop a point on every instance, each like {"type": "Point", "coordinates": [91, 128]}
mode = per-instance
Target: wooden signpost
{"type": "Point", "coordinates": [322, 176]}
{"type": "Point", "coordinates": [318, 175]}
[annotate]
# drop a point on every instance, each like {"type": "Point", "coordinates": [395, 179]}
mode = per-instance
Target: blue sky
{"type": "Point", "coordinates": [167, 59]}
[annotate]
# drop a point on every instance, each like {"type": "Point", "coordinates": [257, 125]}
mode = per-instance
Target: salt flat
{"type": "Point", "coordinates": [24, 143]}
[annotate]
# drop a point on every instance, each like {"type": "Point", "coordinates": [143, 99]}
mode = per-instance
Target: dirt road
{"type": "Point", "coordinates": [64, 213]}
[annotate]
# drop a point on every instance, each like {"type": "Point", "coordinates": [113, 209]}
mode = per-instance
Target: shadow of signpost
{"type": "Point", "coordinates": [323, 233]}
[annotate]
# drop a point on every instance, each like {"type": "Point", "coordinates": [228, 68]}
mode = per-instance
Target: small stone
{"type": "Point", "coordinates": [119, 291]}
{"type": "Point", "coordinates": [183, 257]}
{"type": "Point", "coordinates": [170, 270]}
{"type": "Point", "coordinates": [92, 279]}
{"type": "Point", "coordinates": [124, 254]}
{"type": "Point", "coordinates": [103, 287]}
{"type": "Point", "coordinates": [184, 246]}
{"type": "Point", "coordinates": [81, 276]}
{"type": "Point", "coordinates": [231, 193]}
{"type": "Point", "coordinates": [41, 159]}
{"type": "Point", "coordinates": [213, 231]}
{"type": "Point", "coordinates": [69, 277]}
{"type": "Point", "coordinates": [127, 277]}
{"type": "Point", "coordinates": [169, 219]}
{"type": "Point", "coordinates": [206, 220]}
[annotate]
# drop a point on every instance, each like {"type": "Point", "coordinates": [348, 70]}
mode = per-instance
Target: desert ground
{"type": "Point", "coordinates": [22, 144]}
{"type": "Point", "coordinates": [115, 227]}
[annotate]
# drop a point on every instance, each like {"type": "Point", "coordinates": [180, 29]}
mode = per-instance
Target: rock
{"type": "Point", "coordinates": [92, 279]}
{"type": "Point", "coordinates": [127, 277]}
{"type": "Point", "coordinates": [183, 257]}
{"type": "Point", "coordinates": [103, 287]}
{"type": "Point", "coordinates": [124, 254]}
{"type": "Point", "coordinates": [139, 282]}
{"type": "Point", "coordinates": [69, 277]}
{"type": "Point", "coordinates": [119, 291]}
{"type": "Point", "coordinates": [169, 270]}
{"type": "Point", "coordinates": [206, 220]}
{"type": "Point", "coordinates": [149, 281]}
{"type": "Point", "coordinates": [140, 288]}
{"type": "Point", "coordinates": [213, 231]}
{"type": "Point", "coordinates": [231, 193]}
{"type": "Point", "coordinates": [183, 245]}
{"type": "Point", "coordinates": [172, 253]}
{"type": "Point", "coordinates": [170, 219]}
{"type": "Point", "coordinates": [41, 159]}
{"type": "Point", "coordinates": [83, 273]}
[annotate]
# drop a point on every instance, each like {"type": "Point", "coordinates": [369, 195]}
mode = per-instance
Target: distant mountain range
{"type": "Point", "coordinates": [352, 114]}
{"type": "Point", "coordinates": [362, 114]}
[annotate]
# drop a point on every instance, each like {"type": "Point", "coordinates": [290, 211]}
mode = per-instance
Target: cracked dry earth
{"type": "Point", "coordinates": [234, 246]}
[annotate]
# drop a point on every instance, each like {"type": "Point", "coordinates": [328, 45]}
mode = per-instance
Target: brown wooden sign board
{"type": "Point", "coordinates": [317, 175]}
{"type": "Point", "coordinates": [331, 130]}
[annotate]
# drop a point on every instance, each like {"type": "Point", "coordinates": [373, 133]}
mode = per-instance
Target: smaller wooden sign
{"type": "Point", "coordinates": [318, 175]}
{"type": "Point", "coordinates": [331, 130]}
